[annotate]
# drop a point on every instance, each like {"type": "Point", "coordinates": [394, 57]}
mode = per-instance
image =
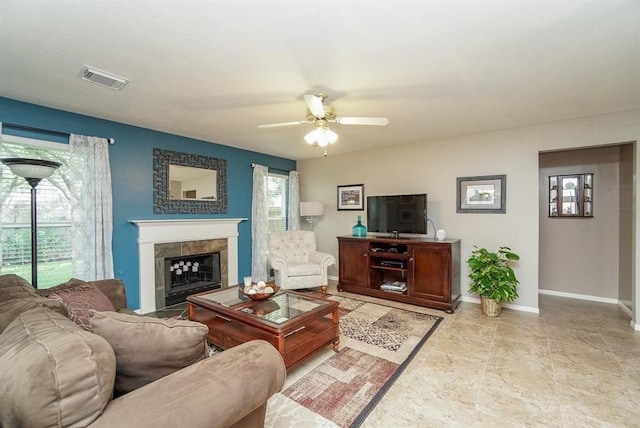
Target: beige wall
{"type": "Point", "coordinates": [581, 255]}
{"type": "Point", "coordinates": [433, 166]}
{"type": "Point", "coordinates": [625, 272]}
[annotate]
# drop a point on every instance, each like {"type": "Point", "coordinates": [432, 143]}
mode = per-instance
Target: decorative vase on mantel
{"type": "Point", "coordinates": [359, 230]}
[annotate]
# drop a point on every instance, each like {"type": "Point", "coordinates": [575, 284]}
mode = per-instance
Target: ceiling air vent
{"type": "Point", "coordinates": [102, 77]}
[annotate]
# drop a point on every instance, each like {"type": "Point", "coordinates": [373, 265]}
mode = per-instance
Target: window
{"type": "Point", "coordinates": [277, 198]}
{"type": "Point", "coordinates": [53, 218]}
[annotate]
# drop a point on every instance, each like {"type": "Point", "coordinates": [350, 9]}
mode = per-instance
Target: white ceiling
{"type": "Point", "coordinates": [214, 70]}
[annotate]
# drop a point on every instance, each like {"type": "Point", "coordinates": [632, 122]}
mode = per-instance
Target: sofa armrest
{"type": "Point", "coordinates": [114, 289]}
{"type": "Point", "coordinates": [219, 391]}
{"type": "Point", "coordinates": [323, 259]}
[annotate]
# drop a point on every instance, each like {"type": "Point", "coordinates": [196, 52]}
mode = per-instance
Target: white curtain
{"type": "Point", "coordinates": [294, 201]}
{"type": "Point", "coordinates": [259, 224]}
{"type": "Point", "coordinates": [89, 183]}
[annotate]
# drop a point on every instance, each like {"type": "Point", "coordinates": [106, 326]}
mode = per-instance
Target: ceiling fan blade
{"type": "Point", "coordinates": [278, 125]}
{"type": "Point", "coordinates": [376, 121]}
{"type": "Point", "coordinates": [315, 105]}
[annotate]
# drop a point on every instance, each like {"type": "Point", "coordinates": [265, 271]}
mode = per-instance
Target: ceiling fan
{"type": "Point", "coordinates": [321, 115]}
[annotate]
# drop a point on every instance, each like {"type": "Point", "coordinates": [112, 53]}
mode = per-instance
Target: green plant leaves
{"type": "Point", "coordinates": [491, 275]}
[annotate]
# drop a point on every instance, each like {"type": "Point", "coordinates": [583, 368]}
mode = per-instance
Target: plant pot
{"type": "Point", "coordinates": [490, 307]}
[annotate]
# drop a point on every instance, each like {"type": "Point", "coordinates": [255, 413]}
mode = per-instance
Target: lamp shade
{"type": "Point", "coordinates": [31, 168]}
{"type": "Point", "coordinates": [321, 136]}
{"type": "Point", "coordinates": [311, 209]}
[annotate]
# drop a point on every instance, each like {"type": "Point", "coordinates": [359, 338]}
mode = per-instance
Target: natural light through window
{"type": "Point", "coordinates": [277, 201]}
{"type": "Point", "coordinates": [53, 216]}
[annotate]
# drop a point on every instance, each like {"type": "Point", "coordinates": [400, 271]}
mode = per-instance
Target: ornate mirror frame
{"type": "Point", "coordinates": [162, 204]}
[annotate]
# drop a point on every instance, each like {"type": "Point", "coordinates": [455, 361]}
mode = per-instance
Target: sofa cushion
{"type": "Point", "coordinates": [78, 297]}
{"type": "Point", "coordinates": [17, 296]}
{"type": "Point", "coordinates": [53, 373]}
{"type": "Point", "coordinates": [11, 309]}
{"type": "Point", "coordinates": [149, 348]}
{"type": "Point", "coordinates": [12, 286]}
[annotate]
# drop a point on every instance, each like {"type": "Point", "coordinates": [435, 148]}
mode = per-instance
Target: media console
{"type": "Point", "coordinates": [418, 271]}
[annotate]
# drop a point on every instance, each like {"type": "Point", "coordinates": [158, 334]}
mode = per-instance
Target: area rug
{"type": "Point", "coordinates": [340, 389]}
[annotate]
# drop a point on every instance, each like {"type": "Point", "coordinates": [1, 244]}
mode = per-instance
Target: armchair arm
{"type": "Point", "coordinates": [216, 392]}
{"type": "Point", "coordinates": [278, 263]}
{"type": "Point", "coordinates": [323, 259]}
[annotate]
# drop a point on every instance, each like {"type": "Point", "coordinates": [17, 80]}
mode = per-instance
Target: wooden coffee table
{"type": "Point", "coordinates": [295, 324]}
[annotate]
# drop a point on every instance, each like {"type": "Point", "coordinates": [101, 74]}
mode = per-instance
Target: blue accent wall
{"type": "Point", "coordinates": [132, 177]}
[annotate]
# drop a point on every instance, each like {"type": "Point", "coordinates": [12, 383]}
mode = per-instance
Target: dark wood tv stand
{"type": "Point", "coordinates": [429, 269]}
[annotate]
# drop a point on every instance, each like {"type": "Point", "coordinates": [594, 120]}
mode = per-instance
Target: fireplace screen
{"type": "Point", "coordinates": [188, 275]}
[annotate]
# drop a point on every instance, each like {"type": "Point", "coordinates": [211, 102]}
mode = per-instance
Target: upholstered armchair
{"type": "Point", "coordinates": [297, 264]}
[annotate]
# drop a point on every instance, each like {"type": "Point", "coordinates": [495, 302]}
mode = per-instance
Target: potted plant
{"type": "Point", "coordinates": [492, 278]}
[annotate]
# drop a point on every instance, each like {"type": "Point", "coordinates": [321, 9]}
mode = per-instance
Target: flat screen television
{"type": "Point", "coordinates": [397, 213]}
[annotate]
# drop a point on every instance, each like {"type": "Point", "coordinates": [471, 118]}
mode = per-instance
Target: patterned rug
{"type": "Point", "coordinates": [339, 389]}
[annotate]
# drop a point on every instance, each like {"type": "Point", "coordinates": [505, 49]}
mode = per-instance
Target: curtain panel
{"type": "Point", "coordinates": [259, 224]}
{"type": "Point", "coordinates": [92, 207]}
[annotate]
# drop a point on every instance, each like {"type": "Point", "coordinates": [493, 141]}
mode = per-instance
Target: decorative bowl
{"type": "Point", "coordinates": [259, 294]}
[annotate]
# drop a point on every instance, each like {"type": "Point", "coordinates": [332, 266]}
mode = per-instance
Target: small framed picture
{"type": "Point", "coordinates": [351, 197]}
{"type": "Point", "coordinates": [485, 194]}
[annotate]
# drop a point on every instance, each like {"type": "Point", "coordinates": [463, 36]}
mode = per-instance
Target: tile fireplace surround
{"type": "Point", "coordinates": [152, 233]}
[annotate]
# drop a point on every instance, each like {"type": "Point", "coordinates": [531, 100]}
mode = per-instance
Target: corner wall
{"type": "Point", "coordinates": [432, 167]}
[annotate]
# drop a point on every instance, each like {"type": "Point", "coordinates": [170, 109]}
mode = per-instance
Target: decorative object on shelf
{"type": "Point", "coordinates": [32, 170]}
{"type": "Point", "coordinates": [351, 197]}
{"type": "Point", "coordinates": [492, 278]}
{"type": "Point", "coordinates": [260, 291]}
{"type": "Point", "coordinates": [486, 194]}
{"type": "Point", "coordinates": [571, 195]}
{"type": "Point", "coordinates": [441, 235]}
{"type": "Point", "coordinates": [312, 210]}
{"type": "Point", "coordinates": [359, 229]}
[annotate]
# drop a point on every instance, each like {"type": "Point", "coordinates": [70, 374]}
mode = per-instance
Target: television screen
{"type": "Point", "coordinates": [397, 213]}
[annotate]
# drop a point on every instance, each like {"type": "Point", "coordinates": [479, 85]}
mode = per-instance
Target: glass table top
{"type": "Point", "coordinates": [279, 309]}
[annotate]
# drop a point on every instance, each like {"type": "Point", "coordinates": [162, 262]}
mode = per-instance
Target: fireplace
{"type": "Point", "coordinates": [189, 275]}
{"type": "Point", "coordinates": [170, 255]}
{"type": "Point", "coordinates": [160, 239]}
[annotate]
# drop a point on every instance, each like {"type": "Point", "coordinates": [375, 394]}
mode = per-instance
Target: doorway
{"type": "Point", "coordinates": [589, 257]}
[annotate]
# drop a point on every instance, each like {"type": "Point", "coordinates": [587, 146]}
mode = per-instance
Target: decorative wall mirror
{"type": "Point", "coordinates": [185, 183]}
{"type": "Point", "coordinates": [571, 195]}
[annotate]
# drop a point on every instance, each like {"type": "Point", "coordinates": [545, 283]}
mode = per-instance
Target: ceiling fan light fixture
{"type": "Point", "coordinates": [321, 136]}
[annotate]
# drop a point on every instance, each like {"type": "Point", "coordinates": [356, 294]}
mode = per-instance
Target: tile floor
{"type": "Point", "coordinates": [576, 364]}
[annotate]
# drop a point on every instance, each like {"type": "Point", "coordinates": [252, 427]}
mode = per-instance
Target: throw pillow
{"type": "Point", "coordinates": [149, 348]}
{"type": "Point", "coordinates": [79, 299]}
{"type": "Point", "coordinates": [53, 373]}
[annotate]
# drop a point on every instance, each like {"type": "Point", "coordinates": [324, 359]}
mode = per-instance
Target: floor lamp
{"type": "Point", "coordinates": [32, 170]}
{"type": "Point", "coordinates": [311, 210]}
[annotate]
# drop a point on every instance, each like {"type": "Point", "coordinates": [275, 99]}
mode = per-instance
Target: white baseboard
{"type": "Point", "coordinates": [579, 296]}
{"type": "Point", "coordinates": [333, 278]}
{"type": "Point", "coordinates": [504, 305]}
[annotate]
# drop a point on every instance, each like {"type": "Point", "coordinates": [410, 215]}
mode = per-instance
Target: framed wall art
{"type": "Point", "coordinates": [484, 194]}
{"type": "Point", "coordinates": [192, 198]}
{"type": "Point", "coordinates": [351, 197]}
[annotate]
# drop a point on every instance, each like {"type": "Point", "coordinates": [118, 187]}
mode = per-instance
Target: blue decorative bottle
{"type": "Point", "coordinates": [359, 229]}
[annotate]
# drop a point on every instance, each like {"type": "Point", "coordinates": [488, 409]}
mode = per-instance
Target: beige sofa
{"type": "Point", "coordinates": [54, 373]}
